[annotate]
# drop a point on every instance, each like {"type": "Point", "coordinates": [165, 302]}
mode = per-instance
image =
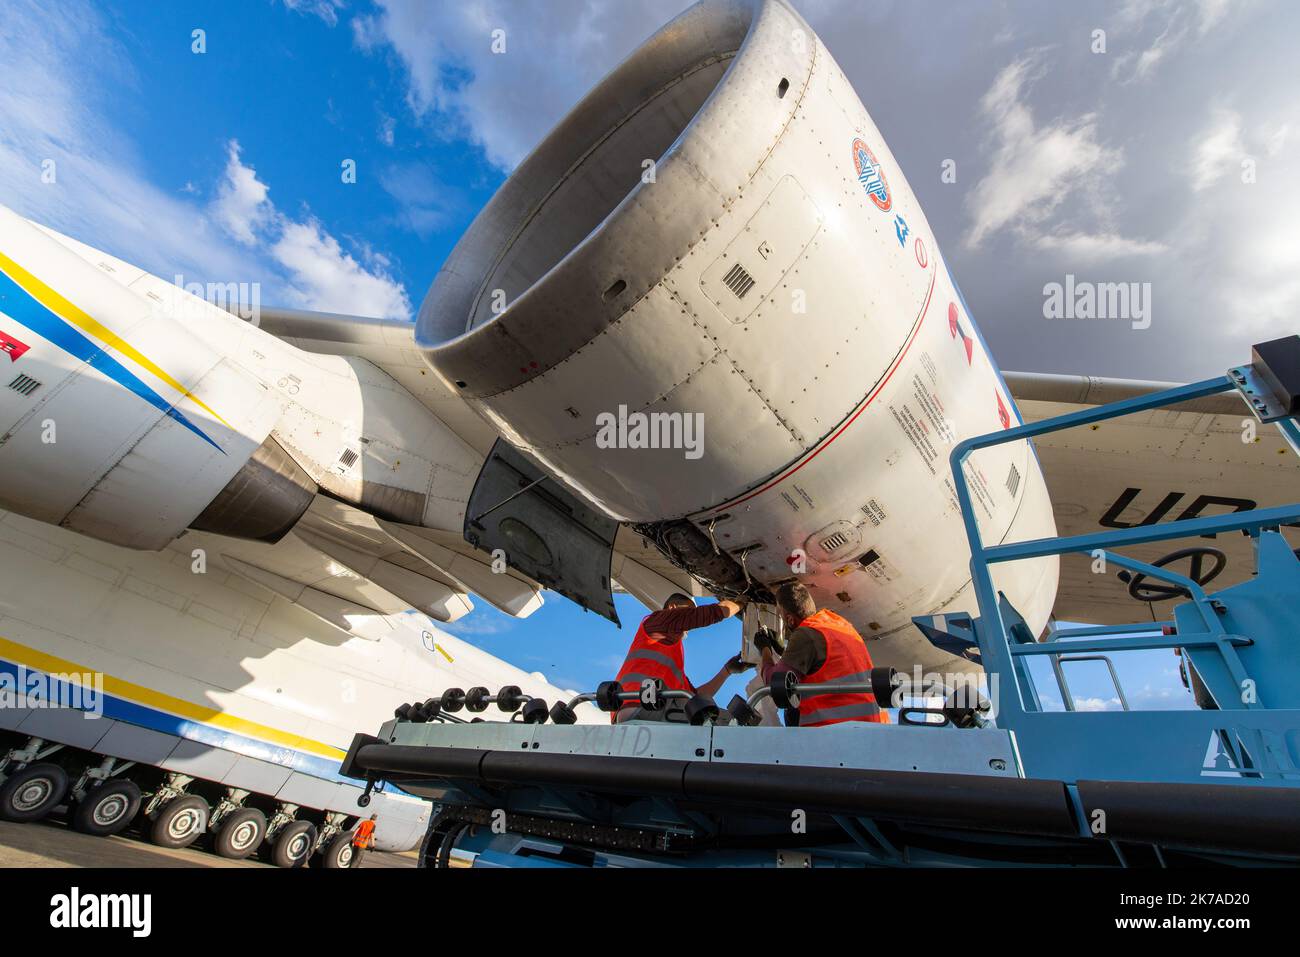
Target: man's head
{"type": "Point", "coordinates": [795, 604]}
{"type": "Point", "coordinates": [678, 600]}
{"type": "Point", "coordinates": [374, 817]}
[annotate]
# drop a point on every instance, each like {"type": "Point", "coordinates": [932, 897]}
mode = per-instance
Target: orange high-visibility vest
{"type": "Point", "coordinates": [648, 657]}
{"type": "Point", "coordinates": [364, 836]}
{"type": "Point", "coordinates": [847, 661]}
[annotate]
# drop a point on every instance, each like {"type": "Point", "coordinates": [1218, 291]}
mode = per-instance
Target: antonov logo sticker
{"type": "Point", "coordinates": [871, 176]}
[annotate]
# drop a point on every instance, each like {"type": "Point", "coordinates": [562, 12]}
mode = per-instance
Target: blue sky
{"type": "Point", "coordinates": [575, 649]}
{"type": "Point", "coordinates": [226, 165]}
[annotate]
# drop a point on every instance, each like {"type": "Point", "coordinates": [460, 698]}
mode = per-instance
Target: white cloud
{"type": "Point", "coordinates": [1179, 21]}
{"type": "Point", "coordinates": [1243, 231]}
{"type": "Point", "coordinates": [52, 111]}
{"type": "Point", "coordinates": [1033, 168]}
{"type": "Point", "coordinates": [1097, 704]}
{"type": "Point", "coordinates": [327, 10]}
{"type": "Point", "coordinates": [1219, 151]}
{"type": "Point", "coordinates": [1274, 137]}
{"type": "Point", "coordinates": [241, 206]}
{"type": "Point", "coordinates": [324, 277]}
{"type": "Point", "coordinates": [505, 102]}
{"type": "Point", "coordinates": [319, 273]}
{"type": "Point", "coordinates": [1089, 248]}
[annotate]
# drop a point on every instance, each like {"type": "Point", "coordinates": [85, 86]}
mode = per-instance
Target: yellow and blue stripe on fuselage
{"type": "Point", "coordinates": [43, 310]}
{"type": "Point", "coordinates": [149, 708]}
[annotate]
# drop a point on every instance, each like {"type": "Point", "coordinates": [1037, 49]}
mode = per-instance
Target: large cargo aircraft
{"type": "Point", "coordinates": [703, 339]}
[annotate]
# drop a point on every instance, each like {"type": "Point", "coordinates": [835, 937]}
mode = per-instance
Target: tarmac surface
{"type": "Point", "coordinates": [51, 843]}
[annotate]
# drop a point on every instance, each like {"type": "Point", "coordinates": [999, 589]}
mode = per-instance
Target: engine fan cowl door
{"type": "Point", "coordinates": [542, 530]}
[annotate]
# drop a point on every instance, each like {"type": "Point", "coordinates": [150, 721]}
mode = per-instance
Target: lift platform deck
{"type": "Point", "coordinates": [989, 781]}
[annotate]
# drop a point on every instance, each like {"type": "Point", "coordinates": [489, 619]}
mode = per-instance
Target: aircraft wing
{"type": "Point", "coordinates": [637, 567]}
{"type": "Point", "coordinates": [388, 344]}
{"type": "Point", "coordinates": [1156, 466]}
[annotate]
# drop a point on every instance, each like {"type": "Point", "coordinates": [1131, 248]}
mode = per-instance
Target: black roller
{"type": "Point", "coordinates": [884, 682]}
{"type": "Point", "coordinates": [476, 699]}
{"type": "Point", "coordinates": [701, 709]}
{"type": "Point", "coordinates": [742, 713]}
{"type": "Point", "coordinates": [453, 699]}
{"type": "Point", "coordinates": [561, 713]}
{"type": "Point", "coordinates": [510, 698]}
{"type": "Point", "coordinates": [535, 711]}
{"type": "Point", "coordinates": [607, 693]}
{"type": "Point", "coordinates": [783, 693]}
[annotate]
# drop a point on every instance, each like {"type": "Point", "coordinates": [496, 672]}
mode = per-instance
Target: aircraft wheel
{"type": "Point", "coordinates": [107, 809]}
{"type": "Point", "coordinates": [180, 822]}
{"type": "Point", "coordinates": [293, 845]}
{"type": "Point", "coordinates": [240, 834]}
{"type": "Point", "coordinates": [339, 853]}
{"type": "Point", "coordinates": [33, 792]}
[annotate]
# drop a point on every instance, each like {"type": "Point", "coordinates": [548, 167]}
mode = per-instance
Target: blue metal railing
{"type": "Point", "coordinates": [999, 654]}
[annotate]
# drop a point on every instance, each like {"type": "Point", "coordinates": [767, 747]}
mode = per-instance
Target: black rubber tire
{"type": "Point", "coordinates": [292, 847]}
{"type": "Point", "coordinates": [107, 809]}
{"type": "Point", "coordinates": [339, 853]}
{"type": "Point", "coordinates": [180, 822]}
{"type": "Point", "coordinates": [240, 834]}
{"type": "Point", "coordinates": [32, 793]}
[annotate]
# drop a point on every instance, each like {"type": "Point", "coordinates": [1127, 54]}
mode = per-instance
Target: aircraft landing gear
{"type": "Point", "coordinates": [293, 845]}
{"type": "Point", "coordinates": [32, 792]}
{"type": "Point", "coordinates": [340, 852]}
{"type": "Point", "coordinates": [107, 808]}
{"type": "Point", "coordinates": [240, 833]}
{"type": "Point", "coordinates": [180, 822]}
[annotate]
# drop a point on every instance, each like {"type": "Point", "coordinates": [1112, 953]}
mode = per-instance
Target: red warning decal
{"type": "Point", "coordinates": [955, 329]}
{"type": "Point", "coordinates": [1003, 414]}
{"type": "Point", "coordinates": [12, 347]}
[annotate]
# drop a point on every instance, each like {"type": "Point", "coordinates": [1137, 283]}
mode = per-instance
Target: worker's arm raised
{"type": "Point", "coordinates": [675, 620]}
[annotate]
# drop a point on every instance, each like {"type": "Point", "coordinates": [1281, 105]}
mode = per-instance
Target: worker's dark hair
{"type": "Point", "coordinates": [793, 599]}
{"type": "Point", "coordinates": [677, 599]}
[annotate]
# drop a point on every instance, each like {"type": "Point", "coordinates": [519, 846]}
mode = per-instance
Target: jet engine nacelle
{"type": "Point", "coordinates": [710, 303]}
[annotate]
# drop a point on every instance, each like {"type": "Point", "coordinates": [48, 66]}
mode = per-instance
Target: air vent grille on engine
{"type": "Point", "coordinates": [24, 384]}
{"type": "Point", "coordinates": [739, 281]}
{"type": "Point", "coordinates": [832, 542]}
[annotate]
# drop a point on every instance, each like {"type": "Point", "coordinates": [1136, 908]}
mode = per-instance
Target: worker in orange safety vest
{"type": "Point", "coordinates": [822, 648]}
{"type": "Point", "coordinates": [656, 652]}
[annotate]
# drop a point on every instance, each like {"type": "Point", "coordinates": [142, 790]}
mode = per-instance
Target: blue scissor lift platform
{"type": "Point", "coordinates": [1000, 782]}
